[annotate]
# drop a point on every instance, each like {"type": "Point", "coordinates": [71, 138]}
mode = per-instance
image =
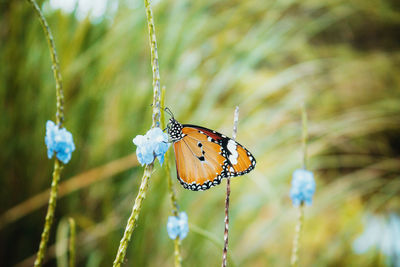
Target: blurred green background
{"type": "Point", "coordinates": [340, 57]}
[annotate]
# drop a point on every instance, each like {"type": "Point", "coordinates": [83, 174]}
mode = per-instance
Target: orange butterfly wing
{"type": "Point", "coordinates": [204, 157]}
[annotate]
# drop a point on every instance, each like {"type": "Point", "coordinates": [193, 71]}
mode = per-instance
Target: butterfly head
{"type": "Point", "coordinates": [174, 130]}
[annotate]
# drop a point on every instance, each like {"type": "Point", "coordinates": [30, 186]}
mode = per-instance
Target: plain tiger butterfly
{"type": "Point", "coordinates": [203, 156]}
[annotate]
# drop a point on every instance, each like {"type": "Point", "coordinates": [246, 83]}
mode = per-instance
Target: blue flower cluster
{"type": "Point", "coordinates": [58, 141]}
{"type": "Point", "coordinates": [382, 233]}
{"type": "Point", "coordinates": [303, 187]}
{"type": "Point", "coordinates": [153, 144]}
{"type": "Point", "coordinates": [178, 226]}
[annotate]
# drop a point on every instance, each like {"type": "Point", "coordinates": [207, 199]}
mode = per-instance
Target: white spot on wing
{"type": "Point", "coordinates": [234, 154]}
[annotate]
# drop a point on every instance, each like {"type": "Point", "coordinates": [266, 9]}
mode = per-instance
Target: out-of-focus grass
{"type": "Point", "coordinates": [342, 58]}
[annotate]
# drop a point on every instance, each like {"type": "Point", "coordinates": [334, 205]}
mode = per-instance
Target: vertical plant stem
{"type": "Point", "coordinates": [71, 243]}
{"type": "Point", "coordinates": [177, 252]}
{"type": "Point", "coordinates": [50, 213]}
{"type": "Point", "coordinates": [55, 64]}
{"type": "Point", "coordinates": [304, 134]}
{"type": "Point", "coordinates": [300, 220]}
{"type": "Point", "coordinates": [154, 64]}
{"type": "Point", "coordinates": [171, 192]}
{"type": "Point", "coordinates": [177, 241]}
{"type": "Point", "coordinates": [156, 122]}
{"type": "Point", "coordinates": [228, 192]}
{"type": "Point", "coordinates": [123, 245]}
{"type": "Point", "coordinates": [59, 121]}
{"type": "Point", "coordinates": [296, 241]}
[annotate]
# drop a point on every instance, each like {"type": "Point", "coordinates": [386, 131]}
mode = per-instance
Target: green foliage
{"type": "Point", "coordinates": [342, 58]}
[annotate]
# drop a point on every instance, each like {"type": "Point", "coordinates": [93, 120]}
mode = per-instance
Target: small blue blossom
{"type": "Point", "coordinates": [178, 226]}
{"type": "Point", "coordinates": [383, 234]}
{"type": "Point", "coordinates": [58, 141]}
{"type": "Point", "coordinates": [303, 187]}
{"type": "Point", "coordinates": [153, 144]}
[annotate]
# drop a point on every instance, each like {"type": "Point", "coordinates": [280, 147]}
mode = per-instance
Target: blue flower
{"type": "Point", "coordinates": [382, 233]}
{"type": "Point", "coordinates": [58, 141]}
{"type": "Point", "coordinates": [153, 144]}
{"type": "Point", "coordinates": [303, 187]}
{"type": "Point", "coordinates": [178, 226]}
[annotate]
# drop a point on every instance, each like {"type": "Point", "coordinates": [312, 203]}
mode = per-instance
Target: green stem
{"type": "Point", "coordinates": [174, 207]}
{"type": "Point", "coordinates": [172, 197]}
{"type": "Point", "coordinates": [171, 192]}
{"type": "Point", "coordinates": [154, 64]}
{"type": "Point", "coordinates": [71, 243]}
{"type": "Point", "coordinates": [304, 135]}
{"type": "Point", "coordinates": [177, 252]}
{"type": "Point", "coordinates": [59, 121]}
{"type": "Point", "coordinates": [50, 214]}
{"type": "Point", "coordinates": [296, 241]}
{"type": "Point", "coordinates": [123, 245]}
{"type": "Point", "coordinates": [55, 64]}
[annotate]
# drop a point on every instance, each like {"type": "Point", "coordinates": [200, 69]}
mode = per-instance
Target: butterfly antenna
{"type": "Point", "coordinates": [169, 112]}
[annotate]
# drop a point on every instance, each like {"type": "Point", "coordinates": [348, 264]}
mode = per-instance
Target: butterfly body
{"type": "Point", "coordinates": [204, 157]}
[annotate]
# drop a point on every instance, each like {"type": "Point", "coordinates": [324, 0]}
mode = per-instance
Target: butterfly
{"type": "Point", "coordinates": [204, 156]}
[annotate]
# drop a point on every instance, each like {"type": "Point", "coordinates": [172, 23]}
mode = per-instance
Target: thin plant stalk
{"type": "Point", "coordinates": [55, 64]}
{"type": "Point", "coordinates": [50, 214]}
{"type": "Point", "coordinates": [154, 64]}
{"type": "Point", "coordinates": [304, 134]}
{"type": "Point", "coordinates": [300, 219]}
{"type": "Point", "coordinates": [294, 261]}
{"type": "Point", "coordinates": [58, 166]}
{"type": "Point", "coordinates": [71, 242]}
{"type": "Point", "coordinates": [123, 245]}
{"type": "Point", "coordinates": [171, 192]}
{"type": "Point", "coordinates": [228, 192]}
